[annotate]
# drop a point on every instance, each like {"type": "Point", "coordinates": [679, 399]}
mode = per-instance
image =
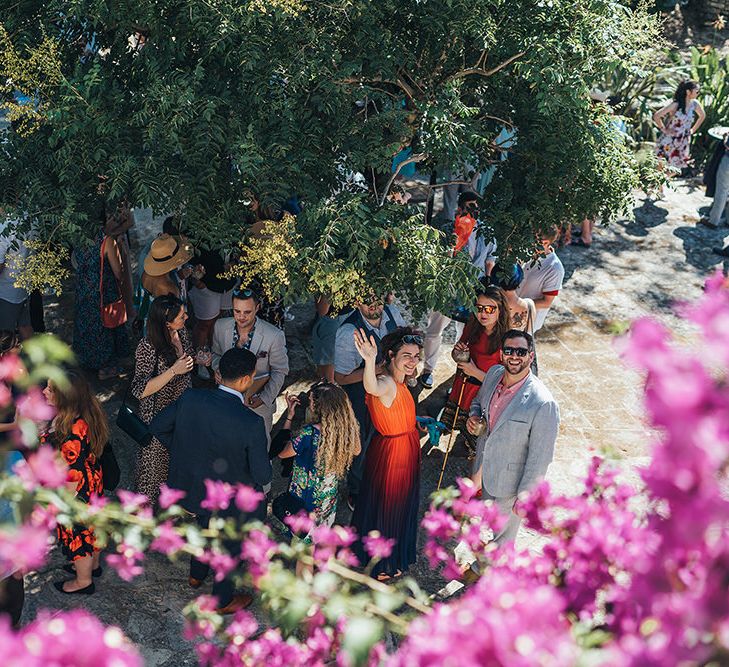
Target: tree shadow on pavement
{"type": "Point", "coordinates": [697, 244]}
{"type": "Point", "coordinates": [647, 216]}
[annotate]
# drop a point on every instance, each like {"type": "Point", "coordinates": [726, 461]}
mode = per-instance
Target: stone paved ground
{"type": "Point", "coordinates": [634, 268]}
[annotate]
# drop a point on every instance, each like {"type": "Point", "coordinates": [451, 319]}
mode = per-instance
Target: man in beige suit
{"type": "Point", "coordinates": [249, 332]}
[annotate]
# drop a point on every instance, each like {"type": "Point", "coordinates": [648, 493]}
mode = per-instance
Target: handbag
{"type": "Point", "coordinates": [287, 504]}
{"type": "Point", "coordinates": [113, 314]}
{"type": "Point", "coordinates": [110, 472]}
{"type": "Point", "coordinates": [130, 422]}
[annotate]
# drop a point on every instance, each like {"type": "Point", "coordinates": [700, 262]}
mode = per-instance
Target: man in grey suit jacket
{"type": "Point", "coordinates": [249, 332]}
{"type": "Point", "coordinates": [518, 420]}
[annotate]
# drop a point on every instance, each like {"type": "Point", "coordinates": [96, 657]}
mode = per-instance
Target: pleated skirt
{"type": "Point", "coordinates": [389, 498]}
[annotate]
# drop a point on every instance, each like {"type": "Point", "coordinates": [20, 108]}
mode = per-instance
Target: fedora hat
{"type": "Point", "coordinates": [166, 253]}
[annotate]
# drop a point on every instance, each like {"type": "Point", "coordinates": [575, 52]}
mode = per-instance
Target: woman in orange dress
{"type": "Point", "coordinates": [80, 432]}
{"type": "Point", "coordinates": [390, 495]}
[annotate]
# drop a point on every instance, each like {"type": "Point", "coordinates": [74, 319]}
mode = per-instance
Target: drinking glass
{"type": "Point", "coordinates": [480, 428]}
{"type": "Point", "coordinates": [204, 356]}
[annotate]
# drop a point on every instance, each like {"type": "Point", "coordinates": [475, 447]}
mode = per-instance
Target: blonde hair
{"type": "Point", "coordinates": [339, 442]}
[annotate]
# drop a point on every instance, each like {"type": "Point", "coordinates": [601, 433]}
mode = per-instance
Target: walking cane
{"type": "Point", "coordinates": [453, 426]}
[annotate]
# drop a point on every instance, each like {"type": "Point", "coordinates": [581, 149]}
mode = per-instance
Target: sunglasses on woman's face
{"type": "Point", "coordinates": [411, 339]}
{"type": "Point", "coordinates": [489, 310]}
{"type": "Point", "coordinates": [510, 351]}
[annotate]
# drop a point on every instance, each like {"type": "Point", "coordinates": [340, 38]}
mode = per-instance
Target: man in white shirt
{"type": "Point", "coordinates": [14, 304]}
{"type": "Point", "coordinates": [378, 319]}
{"type": "Point", "coordinates": [543, 278]}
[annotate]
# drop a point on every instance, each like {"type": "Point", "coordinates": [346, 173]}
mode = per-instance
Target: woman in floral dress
{"type": "Point", "coordinates": [161, 375]}
{"type": "Point", "coordinates": [674, 144]}
{"type": "Point", "coordinates": [323, 449]}
{"type": "Point", "coordinates": [80, 432]}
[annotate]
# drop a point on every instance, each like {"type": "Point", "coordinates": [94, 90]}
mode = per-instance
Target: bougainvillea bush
{"type": "Point", "coordinates": [628, 575]}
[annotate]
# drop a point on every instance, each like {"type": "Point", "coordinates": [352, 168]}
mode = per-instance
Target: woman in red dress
{"type": "Point", "coordinates": [390, 492]}
{"type": "Point", "coordinates": [481, 344]}
{"type": "Point", "coordinates": [80, 432]}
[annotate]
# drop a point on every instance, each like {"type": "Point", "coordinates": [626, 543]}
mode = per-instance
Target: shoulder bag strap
{"type": "Point", "coordinates": [101, 276]}
{"type": "Point", "coordinates": [129, 386]}
{"type": "Point", "coordinates": [390, 325]}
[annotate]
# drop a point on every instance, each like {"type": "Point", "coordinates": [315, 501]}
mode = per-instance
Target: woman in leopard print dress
{"type": "Point", "coordinates": [161, 375]}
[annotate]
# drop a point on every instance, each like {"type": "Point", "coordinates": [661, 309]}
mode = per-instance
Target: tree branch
{"type": "Point", "coordinates": [404, 87]}
{"type": "Point", "coordinates": [480, 71]}
{"type": "Point", "coordinates": [415, 158]}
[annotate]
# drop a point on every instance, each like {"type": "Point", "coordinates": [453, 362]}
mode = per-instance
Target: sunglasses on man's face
{"type": "Point", "coordinates": [489, 310]}
{"type": "Point", "coordinates": [510, 351]}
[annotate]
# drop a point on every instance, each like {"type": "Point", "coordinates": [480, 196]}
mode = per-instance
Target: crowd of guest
{"type": "Point", "coordinates": [212, 360]}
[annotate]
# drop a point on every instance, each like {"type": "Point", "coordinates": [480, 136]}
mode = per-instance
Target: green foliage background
{"type": "Point", "coordinates": [227, 98]}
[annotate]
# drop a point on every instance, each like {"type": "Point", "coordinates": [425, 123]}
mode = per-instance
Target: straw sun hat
{"type": "Point", "coordinates": [166, 253]}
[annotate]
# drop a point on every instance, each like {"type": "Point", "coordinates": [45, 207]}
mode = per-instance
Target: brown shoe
{"type": "Point", "coordinates": [194, 583]}
{"type": "Point", "coordinates": [240, 601]}
{"type": "Point", "coordinates": [704, 220]}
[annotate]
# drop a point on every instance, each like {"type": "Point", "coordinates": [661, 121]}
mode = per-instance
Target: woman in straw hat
{"type": "Point", "coordinates": [166, 255]}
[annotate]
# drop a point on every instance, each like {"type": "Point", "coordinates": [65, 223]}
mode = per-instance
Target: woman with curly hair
{"type": "Point", "coordinates": [80, 432]}
{"type": "Point", "coordinates": [323, 451]}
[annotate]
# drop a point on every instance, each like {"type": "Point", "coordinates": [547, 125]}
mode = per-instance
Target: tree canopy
{"type": "Point", "coordinates": [195, 106]}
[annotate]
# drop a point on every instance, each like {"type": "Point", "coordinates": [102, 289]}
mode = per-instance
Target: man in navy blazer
{"type": "Point", "coordinates": [214, 435]}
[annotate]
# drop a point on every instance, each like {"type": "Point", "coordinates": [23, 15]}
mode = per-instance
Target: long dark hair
{"type": "Point", "coordinates": [679, 97]}
{"type": "Point", "coordinates": [162, 311]}
{"type": "Point", "coordinates": [75, 399]}
{"type": "Point", "coordinates": [474, 329]}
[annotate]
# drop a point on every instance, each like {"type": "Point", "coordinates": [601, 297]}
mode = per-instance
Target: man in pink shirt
{"type": "Point", "coordinates": [518, 421]}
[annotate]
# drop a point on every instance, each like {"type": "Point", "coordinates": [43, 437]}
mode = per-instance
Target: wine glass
{"type": "Point", "coordinates": [204, 356]}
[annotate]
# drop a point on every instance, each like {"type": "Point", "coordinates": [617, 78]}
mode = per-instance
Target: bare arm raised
{"type": "Point", "coordinates": [382, 386]}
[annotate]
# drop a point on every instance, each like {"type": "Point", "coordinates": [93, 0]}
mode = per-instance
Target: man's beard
{"type": "Point", "coordinates": [515, 371]}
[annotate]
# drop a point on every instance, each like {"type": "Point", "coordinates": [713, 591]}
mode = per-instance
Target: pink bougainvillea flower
{"type": "Point", "coordinates": [169, 497]}
{"type": "Point", "coordinates": [247, 499]}
{"type": "Point", "coordinates": [218, 495]}
{"type": "Point", "coordinates": [44, 467]}
{"type": "Point", "coordinates": [126, 561]}
{"type": "Point", "coordinates": [33, 405]}
{"type": "Point", "coordinates": [377, 546]}
{"type": "Point", "coordinates": [66, 639]}
{"type": "Point", "coordinates": [220, 562]}
{"type": "Point", "coordinates": [300, 523]}
{"type": "Point", "coordinates": [257, 549]}
{"type": "Point", "coordinates": [6, 395]}
{"type": "Point", "coordinates": [97, 503]}
{"type": "Point", "coordinates": [131, 501]}
{"type": "Point", "coordinates": [23, 548]}
{"type": "Point", "coordinates": [167, 540]}
{"type": "Point", "coordinates": [11, 368]}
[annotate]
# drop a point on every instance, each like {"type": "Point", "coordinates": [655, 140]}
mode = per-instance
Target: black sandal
{"type": "Point", "coordinates": [86, 590]}
{"type": "Point", "coordinates": [96, 572]}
